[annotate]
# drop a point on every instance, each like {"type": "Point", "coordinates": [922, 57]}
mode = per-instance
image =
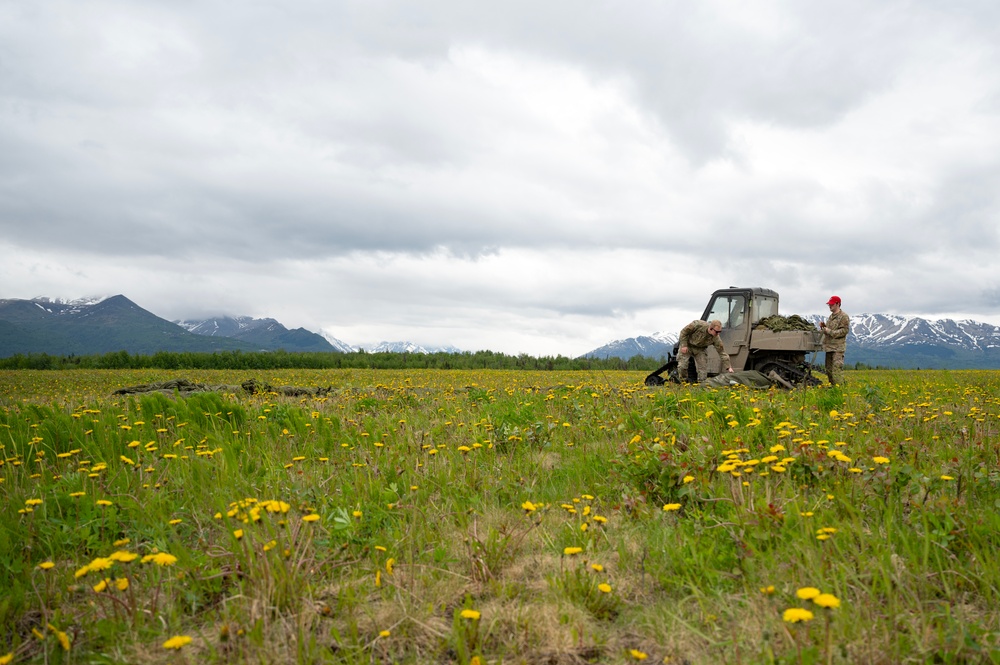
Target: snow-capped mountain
{"type": "Point", "coordinates": [265, 333]}
{"type": "Point", "coordinates": [410, 347]}
{"type": "Point", "coordinates": [230, 326]}
{"type": "Point", "coordinates": [67, 305]}
{"type": "Point", "coordinates": [651, 346]}
{"type": "Point", "coordinates": [112, 324]}
{"type": "Point", "coordinates": [343, 347]}
{"type": "Point", "coordinates": [884, 330]}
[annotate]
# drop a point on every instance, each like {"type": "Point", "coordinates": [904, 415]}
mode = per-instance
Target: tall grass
{"type": "Point", "coordinates": [499, 516]}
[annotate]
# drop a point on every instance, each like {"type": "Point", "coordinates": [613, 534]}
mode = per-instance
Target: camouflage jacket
{"type": "Point", "coordinates": [696, 337]}
{"type": "Point", "coordinates": [835, 333]}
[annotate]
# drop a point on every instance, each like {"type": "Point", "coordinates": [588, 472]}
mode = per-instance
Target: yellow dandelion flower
{"type": "Point", "coordinates": [604, 587]}
{"type": "Point", "coordinates": [638, 655]}
{"type": "Point", "coordinates": [384, 633]}
{"type": "Point", "coordinates": [827, 600]}
{"type": "Point", "coordinates": [880, 460]}
{"type": "Point", "coordinates": [797, 614]}
{"type": "Point", "coordinates": [570, 551]}
{"type": "Point", "coordinates": [470, 614]}
{"type": "Point", "coordinates": [238, 534]}
{"type": "Point", "coordinates": [312, 517]}
{"type": "Point", "coordinates": [807, 592]}
{"type": "Point", "coordinates": [177, 641]}
{"type": "Point", "coordinates": [104, 502]}
{"type": "Point", "coordinates": [121, 583]}
{"type": "Point", "coordinates": [7, 659]}
{"type": "Point", "coordinates": [357, 513]}
{"type": "Point", "coordinates": [528, 507]}
{"type": "Point", "coordinates": [46, 565]}
{"type": "Point", "coordinates": [947, 478]}
{"type": "Point", "coordinates": [101, 563]}
{"type": "Point", "coordinates": [672, 506]}
{"type": "Point", "coordinates": [160, 559]}
{"type": "Point", "coordinates": [124, 557]}
{"type": "Point", "coordinates": [597, 567]}
{"type": "Point", "coordinates": [101, 586]}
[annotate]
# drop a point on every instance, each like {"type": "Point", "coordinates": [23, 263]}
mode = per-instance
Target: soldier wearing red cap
{"type": "Point", "coordinates": [835, 331]}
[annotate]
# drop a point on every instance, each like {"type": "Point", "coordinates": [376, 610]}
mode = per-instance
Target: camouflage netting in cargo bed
{"type": "Point", "coordinates": [779, 323]}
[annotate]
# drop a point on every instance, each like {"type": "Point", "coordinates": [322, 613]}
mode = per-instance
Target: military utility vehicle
{"type": "Point", "coordinates": [749, 345]}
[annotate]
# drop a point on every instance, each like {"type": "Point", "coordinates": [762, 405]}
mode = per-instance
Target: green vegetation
{"type": "Point", "coordinates": [243, 360]}
{"type": "Point", "coordinates": [487, 516]}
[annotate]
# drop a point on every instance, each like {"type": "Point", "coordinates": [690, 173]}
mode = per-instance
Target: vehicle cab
{"type": "Point", "coordinates": [739, 309]}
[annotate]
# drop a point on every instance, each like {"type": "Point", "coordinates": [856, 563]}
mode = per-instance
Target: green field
{"type": "Point", "coordinates": [435, 516]}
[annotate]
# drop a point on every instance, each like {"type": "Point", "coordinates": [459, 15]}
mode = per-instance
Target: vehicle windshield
{"type": "Point", "coordinates": [763, 308]}
{"type": "Point", "coordinates": [730, 308]}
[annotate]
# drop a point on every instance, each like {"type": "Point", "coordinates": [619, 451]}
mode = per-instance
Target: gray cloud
{"type": "Point", "coordinates": [586, 170]}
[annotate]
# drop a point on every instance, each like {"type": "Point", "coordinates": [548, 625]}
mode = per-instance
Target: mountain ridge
{"type": "Point", "coordinates": [105, 324]}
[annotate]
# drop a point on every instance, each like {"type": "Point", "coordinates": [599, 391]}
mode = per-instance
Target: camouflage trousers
{"type": "Point", "coordinates": [835, 367]}
{"type": "Point", "coordinates": [700, 364]}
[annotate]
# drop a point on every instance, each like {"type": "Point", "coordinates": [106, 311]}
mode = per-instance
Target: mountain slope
{"type": "Point", "coordinates": [263, 333]}
{"type": "Point", "coordinates": [657, 345]}
{"type": "Point", "coordinates": [113, 324]}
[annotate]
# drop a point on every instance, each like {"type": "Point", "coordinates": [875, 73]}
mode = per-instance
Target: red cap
{"type": "Point", "coordinates": [834, 300]}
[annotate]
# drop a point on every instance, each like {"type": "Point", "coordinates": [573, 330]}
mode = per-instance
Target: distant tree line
{"type": "Point", "coordinates": [322, 360]}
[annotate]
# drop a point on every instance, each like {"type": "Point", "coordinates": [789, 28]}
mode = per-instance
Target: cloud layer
{"type": "Point", "coordinates": [516, 177]}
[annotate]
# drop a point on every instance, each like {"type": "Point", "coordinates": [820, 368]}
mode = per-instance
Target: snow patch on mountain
{"type": "Point", "coordinates": [409, 347]}
{"type": "Point", "coordinates": [657, 345]}
{"type": "Point", "coordinates": [341, 346]}
{"type": "Point", "coordinates": [229, 326]}
{"type": "Point", "coordinates": [66, 305]}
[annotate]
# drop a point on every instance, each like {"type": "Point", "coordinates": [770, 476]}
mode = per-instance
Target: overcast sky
{"type": "Point", "coordinates": [526, 177]}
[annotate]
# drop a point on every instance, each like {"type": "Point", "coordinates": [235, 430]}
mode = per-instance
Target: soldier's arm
{"type": "Point", "coordinates": [841, 326]}
{"type": "Point", "coordinates": [723, 356]}
{"type": "Point", "coordinates": [685, 335]}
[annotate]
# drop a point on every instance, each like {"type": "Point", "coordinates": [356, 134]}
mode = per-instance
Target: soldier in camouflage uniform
{"type": "Point", "coordinates": [694, 339]}
{"type": "Point", "coordinates": [835, 331]}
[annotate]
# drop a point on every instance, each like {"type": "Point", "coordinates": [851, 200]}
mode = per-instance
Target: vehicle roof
{"type": "Point", "coordinates": [754, 290]}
